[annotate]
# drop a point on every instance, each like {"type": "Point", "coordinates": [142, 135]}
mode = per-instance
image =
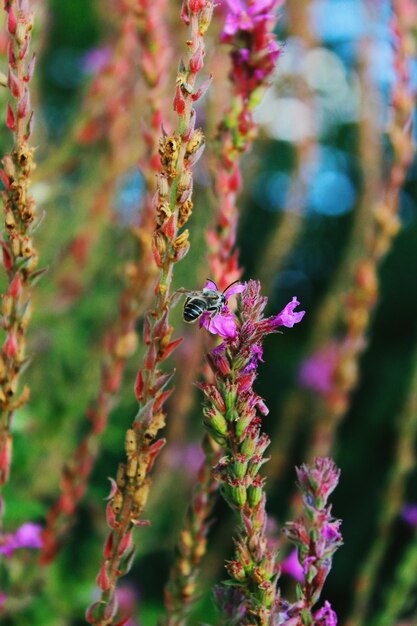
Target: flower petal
{"type": "Point", "coordinates": [224, 326]}
{"type": "Point", "coordinates": [210, 284]}
{"type": "Point", "coordinates": [288, 317]}
{"type": "Point", "coordinates": [233, 289]}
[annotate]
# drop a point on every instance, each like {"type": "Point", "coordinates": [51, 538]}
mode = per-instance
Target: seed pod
{"type": "Point", "coordinates": [121, 476]}
{"type": "Point", "coordinates": [130, 442]}
{"type": "Point", "coordinates": [117, 502]}
{"type": "Point", "coordinates": [131, 467]}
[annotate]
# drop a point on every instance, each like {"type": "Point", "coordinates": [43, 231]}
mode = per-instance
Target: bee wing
{"type": "Point", "coordinates": [176, 296]}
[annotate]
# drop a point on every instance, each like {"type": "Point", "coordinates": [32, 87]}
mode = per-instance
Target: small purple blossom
{"type": "Point", "coordinates": [95, 60]}
{"type": "Point", "coordinates": [409, 514]}
{"type": "Point", "coordinates": [27, 536]}
{"type": "Point", "coordinates": [288, 317]}
{"type": "Point", "coordinates": [292, 567]}
{"type": "Point", "coordinates": [316, 371]}
{"type": "Point", "coordinates": [326, 616]}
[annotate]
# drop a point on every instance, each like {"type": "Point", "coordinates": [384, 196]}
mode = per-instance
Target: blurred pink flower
{"type": "Point", "coordinates": [27, 536]}
{"type": "Point", "coordinates": [127, 597]}
{"type": "Point", "coordinates": [409, 514]}
{"type": "Point", "coordinates": [316, 371]}
{"type": "Point", "coordinates": [292, 567]}
{"type": "Point", "coordinates": [185, 456]}
{"type": "Point", "coordinates": [96, 59]}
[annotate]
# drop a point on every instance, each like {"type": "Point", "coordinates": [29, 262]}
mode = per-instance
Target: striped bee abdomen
{"type": "Point", "coordinates": [193, 308]}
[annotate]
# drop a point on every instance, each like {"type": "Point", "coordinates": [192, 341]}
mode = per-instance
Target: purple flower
{"type": "Point", "coordinates": [292, 566]}
{"type": "Point", "coordinates": [409, 514]}
{"type": "Point", "coordinates": [27, 536]}
{"type": "Point", "coordinates": [288, 317]}
{"type": "Point", "coordinates": [316, 372]}
{"type": "Point", "coordinates": [331, 532]}
{"type": "Point", "coordinates": [326, 616]}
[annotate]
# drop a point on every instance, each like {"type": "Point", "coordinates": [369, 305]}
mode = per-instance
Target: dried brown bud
{"type": "Point", "coordinates": [117, 502]}
{"type": "Point", "coordinates": [184, 182]}
{"type": "Point", "coordinates": [130, 442]}
{"type": "Point", "coordinates": [195, 141]}
{"type": "Point", "coordinates": [163, 212]}
{"type": "Point", "coordinates": [131, 467]}
{"type": "Point", "coordinates": [184, 213]}
{"type": "Point", "coordinates": [121, 476]}
{"type": "Point", "coordinates": [140, 496]}
{"type": "Point", "coordinates": [162, 184]}
{"type": "Point", "coordinates": [182, 240]}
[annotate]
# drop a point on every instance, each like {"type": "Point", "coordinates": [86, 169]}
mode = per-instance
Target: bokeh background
{"type": "Point", "coordinates": [295, 239]}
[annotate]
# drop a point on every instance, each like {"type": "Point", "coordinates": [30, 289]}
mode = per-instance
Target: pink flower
{"type": "Point", "coordinates": [224, 323]}
{"type": "Point", "coordinates": [292, 566]}
{"type": "Point", "coordinates": [27, 536]}
{"type": "Point", "coordinates": [244, 17]}
{"type": "Point", "coordinates": [316, 371]}
{"type": "Point", "coordinates": [326, 616]}
{"type": "Point", "coordinates": [288, 317]}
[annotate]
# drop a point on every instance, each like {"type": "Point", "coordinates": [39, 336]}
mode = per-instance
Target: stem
{"type": "Point", "coordinates": [130, 490]}
{"type": "Point", "coordinates": [19, 255]}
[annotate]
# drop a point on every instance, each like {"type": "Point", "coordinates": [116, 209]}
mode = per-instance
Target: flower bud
{"type": "Point", "coordinates": [240, 467]}
{"type": "Point", "coordinates": [238, 495]}
{"type": "Point", "coordinates": [254, 495]}
{"type": "Point", "coordinates": [205, 16]}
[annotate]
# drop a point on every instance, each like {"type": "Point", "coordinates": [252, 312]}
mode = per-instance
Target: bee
{"type": "Point", "coordinates": [208, 300]}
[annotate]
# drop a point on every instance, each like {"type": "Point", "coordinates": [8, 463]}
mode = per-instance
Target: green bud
{"type": "Point", "coordinates": [217, 422]}
{"type": "Point", "coordinates": [238, 494]}
{"type": "Point", "coordinates": [239, 469]}
{"type": "Point", "coordinates": [248, 445]}
{"type": "Point", "coordinates": [266, 594]}
{"type": "Point", "coordinates": [254, 495]}
{"type": "Point", "coordinates": [242, 423]}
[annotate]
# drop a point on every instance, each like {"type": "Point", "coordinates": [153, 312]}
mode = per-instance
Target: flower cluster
{"type": "Point", "coordinates": [248, 26]}
{"type": "Point", "coordinates": [232, 416]}
{"type": "Point", "coordinates": [20, 259]}
{"type": "Point", "coordinates": [317, 537]}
